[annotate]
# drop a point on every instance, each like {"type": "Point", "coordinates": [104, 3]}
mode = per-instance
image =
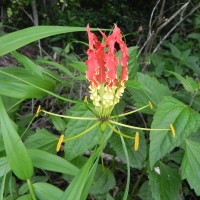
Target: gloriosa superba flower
{"type": "Point", "coordinates": [106, 87]}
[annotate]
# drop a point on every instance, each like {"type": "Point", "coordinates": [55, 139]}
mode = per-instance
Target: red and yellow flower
{"type": "Point", "coordinates": [106, 87]}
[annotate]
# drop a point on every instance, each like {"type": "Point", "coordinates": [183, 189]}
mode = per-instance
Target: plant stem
{"type": "Point", "coordinates": [128, 113]}
{"type": "Point", "coordinates": [137, 182]}
{"type": "Point", "coordinates": [69, 117]}
{"type": "Point", "coordinates": [139, 128]}
{"type": "Point", "coordinates": [31, 189]}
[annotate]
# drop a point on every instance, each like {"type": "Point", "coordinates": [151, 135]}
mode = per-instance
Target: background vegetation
{"type": "Point", "coordinates": [164, 66]}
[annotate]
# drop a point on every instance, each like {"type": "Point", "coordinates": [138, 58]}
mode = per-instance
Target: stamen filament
{"type": "Point", "coordinates": [83, 133]}
{"type": "Point", "coordinates": [139, 128]}
{"type": "Point", "coordinates": [118, 132]}
{"type": "Point", "coordinates": [69, 117]}
{"type": "Point", "coordinates": [128, 113]}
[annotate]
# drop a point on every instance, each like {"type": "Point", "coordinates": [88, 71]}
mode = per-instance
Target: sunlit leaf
{"type": "Point", "coordinates": [185, 121]}
{"type": "Point", "coordinates": [44, 191]}
{"type": "Point", "coordinates": [47, 161]}
{"type": "Point", "coordinates": [12, 87]}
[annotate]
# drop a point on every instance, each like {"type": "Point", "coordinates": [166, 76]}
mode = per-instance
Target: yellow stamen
{"type": "Point", "coordinates": [38, 111]}
{"type": "Point", "coordinates": [150, 105]}
{"type": "Point", "coordinates": [172, 130]}
{"type": "Point", "coordinates": [137, 140]}
{"type": "Point", "coordinates": [60, 141]}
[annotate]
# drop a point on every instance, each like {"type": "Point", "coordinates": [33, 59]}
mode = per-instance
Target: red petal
{"type": "Point", "coordinates": [96, 60]}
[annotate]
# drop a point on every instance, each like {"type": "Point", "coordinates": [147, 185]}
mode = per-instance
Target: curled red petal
{"type": "Point", "coordinates": [96, 60]}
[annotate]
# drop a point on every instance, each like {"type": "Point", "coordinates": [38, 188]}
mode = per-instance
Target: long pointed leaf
{"type": "Point", "coordinates": [17, 154]}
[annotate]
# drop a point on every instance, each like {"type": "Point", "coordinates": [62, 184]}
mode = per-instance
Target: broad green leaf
{"type": "Point", "coordinates": [25, 197]}
{"type": "Point", "coordinates": [28, 64]}
{"type": "Point", "coordinates": [17, 154]}
{"type": "Point", "coordinates": [80, 145]}
{"type": "Point", "coordinates": [58, 123]}
{"type": "Point", "coordinates": [4, 166]}
{"type": "Point", "coordinates": [47, 161]}
{"type": "Point", "coordinates": [136, 158]}
{"type": "Point", "coordinates": [76, 187]}
{"type": "Point", "coordinates": [145, 191]}
{"type": "Point", "coordinates": [149, 90]}
{"type": "Point", "coordinates": [42, 140]}
{"type": "Point", "coordinates": [190, 166]}
{"type": "Point", "coordinates": [13, 87]}
{"type": "Point", "coordinates": [185, 121]}
{"type": "Point", "coordinates": [165, 182]}
{"type": "Point", "coordinates": [44, 191]}
{"type": "Point", "coordinates": [188, 83]}
{"type": "Point", "coordinates": [103, 182]}
{"type": "Point", "coordinates": [17, 39]}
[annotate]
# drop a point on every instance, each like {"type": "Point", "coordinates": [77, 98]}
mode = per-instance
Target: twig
{"type": "Point", "coordinates": [174, 27]}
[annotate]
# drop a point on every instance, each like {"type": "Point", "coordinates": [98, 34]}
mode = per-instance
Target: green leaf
{"type": "Point", "coordinates": [80, 66]}
{"type": "Point", "coordinates": [17, 154]}
{"type": "Point", "coordinates": [47, 161]}
{"type": "Point", "coordinates": [25, 197]}
{"type": "Point", "coordinates": [145, 191]}
{"type": "Point", "coordinates": [28, 64]}
{"type": "Point", "coordinates": [136, 158]}
{"type": "Point", "coordinates": [58, 123]}
{"type": "Point", "coordinates": [76, 187]}
{"type": "Point", "coordinates": [165, 182]}
{"type": "Point", "coordinates": [103, 182]}
{"type": "Point", "coordinates": [149, 90]}
{"type": "Point", "coordinates": [13, 87]}
{"type": "Point", "coordinates": [175, 51]}
{"type": "Point", "coordinates": [188, 83]}
{"type": "Point", "coordinates": [17, 39]}
{"type": "Point", "coordinates": [80, 145]}
{"type": "Point", "coordinates": [4, 166]}
{"type": "Point", "coordinates": [132, 61]}
{"type": "Point", "coordinates": [44, 191]}
{"type": "Point", "coordinates": [190, 166]}
{"type": "Point", "coordinates": [43, 140]}
{"type": "Point", "coordinates": [185, 121]}
{"type": "Point", "coordinates": [59, 66]}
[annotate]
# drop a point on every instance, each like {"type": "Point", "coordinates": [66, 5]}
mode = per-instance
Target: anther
{"type": "Point", "coordinates": [60, 141]}
{"type": "Point", "coordinates": [137, 140]}
{"type": "Point", "coordinates": [38, 111]}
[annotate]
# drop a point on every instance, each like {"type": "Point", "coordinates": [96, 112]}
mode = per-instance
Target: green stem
{"type": "Point", "coordinates": [128, 113]}
{"type": "Point", "coordinates": [83, 133]}
{"type": "Point", "coordinates": [128, 169]}
{"type": "Point", "coordinates": [137, 182]}
{"type": "Point", "coordinates": [42, 89]}
{"type": "Point", "coordinates": [31, 190]}
{"type": "Point", "coordinates": [139, 128]}
{"type": "Point", "coordinates": [69, 117]}
{"type": "Point", "coordinates": [118, 132]}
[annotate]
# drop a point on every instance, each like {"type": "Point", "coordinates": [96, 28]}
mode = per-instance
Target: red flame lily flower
{"type": "Point", "coordinates": [105, 87]}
